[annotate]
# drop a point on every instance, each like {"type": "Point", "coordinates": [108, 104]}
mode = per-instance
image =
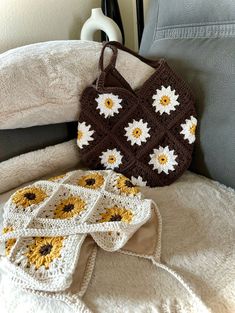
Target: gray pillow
{"type": "Point", "coordinates": [197, 39]}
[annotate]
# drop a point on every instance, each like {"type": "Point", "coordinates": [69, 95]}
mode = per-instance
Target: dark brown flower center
{"type": "Point", "coordinates": [46, 249]}
{"type": "Point", "coordinates": [68, 207]}
{"type": "Point", "coordinates": [30, 196]}
{"type": "Point", "coordinates": [129, 184]}
{"type": "Point", "coordinates": [116, 218]}
{"type": "Point", "coordinates": [90, 181]}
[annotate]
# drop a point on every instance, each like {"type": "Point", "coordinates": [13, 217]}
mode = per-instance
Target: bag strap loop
{"type": "Point", "coordinates": [113, 59]}
{"type": "Point", "coordinates": [114, 45]}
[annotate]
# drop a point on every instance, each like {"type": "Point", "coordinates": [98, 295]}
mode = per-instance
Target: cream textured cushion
{"type": "Point", "coordinates": [35, 164]}
{"type": "Point", "coordinates": [41, 83]}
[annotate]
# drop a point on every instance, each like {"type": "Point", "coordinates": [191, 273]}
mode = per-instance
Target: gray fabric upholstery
{"type": "Point", "coordinates": [14, 142]}
{"type": "Point", "coordinates": [197, 38]}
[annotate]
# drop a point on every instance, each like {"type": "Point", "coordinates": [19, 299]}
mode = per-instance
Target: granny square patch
{"type": "Point", "coordinates": [145, 134]}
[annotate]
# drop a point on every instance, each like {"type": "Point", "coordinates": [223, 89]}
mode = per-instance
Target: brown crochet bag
{"type": "Point", "coordinates": [146, 134]}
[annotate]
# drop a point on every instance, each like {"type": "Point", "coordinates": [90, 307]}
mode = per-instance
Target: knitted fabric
{"type": "Point", "coordinates": [52, 230]}
{"type": "Point", "coordinates": [51, 225]}
{"type": "Point", "coordinates": [146, 133]}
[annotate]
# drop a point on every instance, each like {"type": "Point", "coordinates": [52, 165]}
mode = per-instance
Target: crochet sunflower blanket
{"type": "Point", "coordinates": [53, 228]}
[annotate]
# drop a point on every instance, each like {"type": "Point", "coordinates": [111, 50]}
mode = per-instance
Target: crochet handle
{"type": "Point", "coordinates": [113, 59]}
{"type": "Point", "coordinates": [202, 308]}
{"type": "Point", "coordinates": [68, 229]}
{"type": "Point", "coordinates": [114, 45]}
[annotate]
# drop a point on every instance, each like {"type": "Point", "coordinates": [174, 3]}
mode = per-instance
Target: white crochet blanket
{"type": "Point", "coordinates": [47, 224]}
{"type": "Point", "coordinates": [198, 242]}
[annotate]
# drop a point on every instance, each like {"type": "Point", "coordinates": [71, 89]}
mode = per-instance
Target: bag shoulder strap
{"type": "Point", "coordinates": [114, 45]}
{"type": "Point", "coordinates": [113, 59]}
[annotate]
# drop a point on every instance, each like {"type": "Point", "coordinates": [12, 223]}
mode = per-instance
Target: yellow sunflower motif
{"type": "Point", "coordinates": [125, 185]}
{"type": "Point", "coordinates": [29, 196]}
{"type": "Point", "coordinates": [92, 181]}
{"type": "Point", "coordinates": [44, 250]}
{"type": "Point", "coordinates": [55, 178]}
{"type": "Point", "coordinates": [10, 242]}
{"type": "Point", "coordinates": [116, 214]}
{"type": "Point", "coordinates": [69, 208]}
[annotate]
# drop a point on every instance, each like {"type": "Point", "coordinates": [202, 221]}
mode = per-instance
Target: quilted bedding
{"type": "Point", "coordinates": [197, 242]}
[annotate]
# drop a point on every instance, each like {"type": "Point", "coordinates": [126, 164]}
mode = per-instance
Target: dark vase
{"type": "Point", "coordinates": [111, 9]}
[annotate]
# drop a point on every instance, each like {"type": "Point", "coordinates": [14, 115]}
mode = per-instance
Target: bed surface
{"type": "Point", "coordinates": [197, 242]}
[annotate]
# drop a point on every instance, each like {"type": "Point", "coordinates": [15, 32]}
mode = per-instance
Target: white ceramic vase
{"type": "Point", "coordinates": [98, 21]}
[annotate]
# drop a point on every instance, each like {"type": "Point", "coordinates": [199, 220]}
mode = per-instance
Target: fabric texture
{"type": "Point", "coordinates": [35, 164]}
{"type": "Point", "coordinates": [41, 84]}
{"type": "Point", "coordinates": [197, 241]}
{"type": "Point", "coordinates": [147, 133]}
{"type": "Point", "coordinates": [51, 223]}
{"type": "Point", "coordinates": [14, 142]}
{"type": "Point", "coordinates": [198, 41]}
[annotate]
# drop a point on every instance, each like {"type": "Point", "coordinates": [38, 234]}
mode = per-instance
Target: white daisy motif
{"type": "Point", "coordinates": [84, 134]}
{"type": "Point", "coordinates": [137, 132]}
{"type": "Point", "coordinates": [165, 100]}
{"type": "Point", "coordinates": [108, 104]}
{"type": "Point", "coordinates": [163, 160]}
{"type": "Point", "coordinates": [111, 159]}
{"type": "Point", "coordinates": [189, 129]}
{"type": "Point", "coordinates": [138, 181]}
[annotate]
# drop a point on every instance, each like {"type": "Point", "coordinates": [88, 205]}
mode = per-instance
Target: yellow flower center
{"type": "Point", "coordinates": [80, 135]}
{"type": "Point", "coordinates": [165, 100]}
{"type": "Point", "coordinates": [115, 218]}
{"type": "Point", "coordinates": [111, 159]}
{"type": "Point", "coordinates": [193, 129]}
{"type": "Point", "coordinates": [30, 195]}
{"type": "Point", "coordinates": [45, 249]}
{"type": "Point", "coordinates": [109, 103]}
{"type": "Point", "coordinates": [137, 132]}
{"type": "Point", "coordinates": [162, 159]}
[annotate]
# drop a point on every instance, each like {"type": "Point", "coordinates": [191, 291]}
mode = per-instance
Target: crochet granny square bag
{"type": "Point", "coordinates": [54, 228]}
{"type": "Point", "coordinates": [146, 134]}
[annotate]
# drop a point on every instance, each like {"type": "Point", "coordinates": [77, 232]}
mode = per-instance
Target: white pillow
{"type": "Point", "coordinates": [41, 83]}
